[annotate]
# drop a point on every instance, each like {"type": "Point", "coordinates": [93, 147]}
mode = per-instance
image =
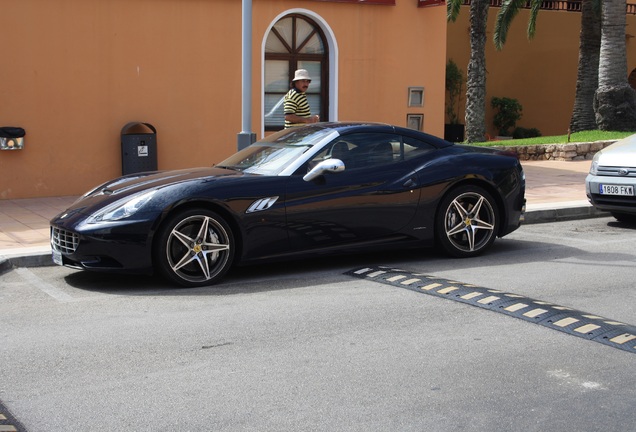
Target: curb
{"type": "Point", "coordinates": [41, 257]}
{"type": "Point", "coordinates": [564, 213]}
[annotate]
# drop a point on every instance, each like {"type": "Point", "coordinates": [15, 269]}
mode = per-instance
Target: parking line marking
{"type": "Point", "coordinates": [574, 322]}
{"type": "Point", "coordinates": [44, 286]}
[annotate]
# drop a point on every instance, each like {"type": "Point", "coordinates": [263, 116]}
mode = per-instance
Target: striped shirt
{"type": "Point", "coordinates": [296, 103]}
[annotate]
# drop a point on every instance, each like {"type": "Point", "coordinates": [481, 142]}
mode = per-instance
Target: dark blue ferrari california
{"type": "Point", "coordinates": [324, 188]}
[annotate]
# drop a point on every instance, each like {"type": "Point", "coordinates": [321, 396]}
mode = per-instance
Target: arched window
{"type": "Point", "coordinates": [632, 79]}
{"type": "Point", "coordinates": [294, 42]}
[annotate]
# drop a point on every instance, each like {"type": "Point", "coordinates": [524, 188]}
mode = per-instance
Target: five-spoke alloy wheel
{"type": "Point", "coordinates": [467, 221]}
{"type": "Point", "coordinates": [195, 248]}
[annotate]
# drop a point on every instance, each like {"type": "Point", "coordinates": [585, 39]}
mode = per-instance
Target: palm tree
{"type": "Point", "coordinates": [615, 102]}
{"type": "Point", "coordinates": [476, 71]}
{"type": "Point", "coordinates": [583, 116]}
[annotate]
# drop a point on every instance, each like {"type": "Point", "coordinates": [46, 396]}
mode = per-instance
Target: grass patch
{"type": "Point", "coordinates": [577, 137]}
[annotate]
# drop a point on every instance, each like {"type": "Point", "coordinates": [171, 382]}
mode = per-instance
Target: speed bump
{"type": "Point", "coordinates": [562, 318]}
{"type": "Point", "coordinates": [8, 423]}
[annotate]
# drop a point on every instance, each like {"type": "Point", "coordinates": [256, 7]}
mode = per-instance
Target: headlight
{"type": "Point", "coordinates": [123, 208]}
{"type": "Point", "coordinates": [594, 166]}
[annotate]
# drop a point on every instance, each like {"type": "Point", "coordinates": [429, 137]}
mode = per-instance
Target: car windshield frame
{"type": "Point", "coordinates": [280, 154]}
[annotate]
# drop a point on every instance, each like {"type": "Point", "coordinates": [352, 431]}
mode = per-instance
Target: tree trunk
{"type": "Point", "coordinates": [615, 101]}
{"type": "Point", "coordinates": [476, 74]}
{"type": "Point", "coordinates": [583, 116]}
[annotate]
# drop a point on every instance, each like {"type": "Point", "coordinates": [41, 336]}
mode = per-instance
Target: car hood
{"type": "Point", "coordinates": [134, 183]}
{"type": "Point", "coordinates": [149, 180]}
{"type": "Point", "coordinates": [620, 154]}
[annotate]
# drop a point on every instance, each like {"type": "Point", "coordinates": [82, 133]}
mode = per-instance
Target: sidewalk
{"type": "Point", "coordinates": [555, 190]}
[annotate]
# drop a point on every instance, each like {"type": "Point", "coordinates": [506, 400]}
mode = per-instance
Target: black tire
{"type": "Point", "coordinates": [195, 247]}
{"type": "Point", "coordinates": [624, 217]}
{"type": "Point", "coordinates": [467, 221]}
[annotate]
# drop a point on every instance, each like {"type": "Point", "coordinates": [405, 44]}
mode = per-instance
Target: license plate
{"type": "Point", "coordinates": [616, 189]}
{"type": "Point", "coordinates": [57, 258]}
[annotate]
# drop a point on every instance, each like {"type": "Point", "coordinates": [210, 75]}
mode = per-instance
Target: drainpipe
{"type": "Point", "coordinates": [246, 137]}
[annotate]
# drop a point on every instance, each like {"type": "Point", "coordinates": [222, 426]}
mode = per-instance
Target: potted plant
{"type": "Point", "coordinates": [508, 112]}
{"type": "Point", "coordinates": [453, 130]}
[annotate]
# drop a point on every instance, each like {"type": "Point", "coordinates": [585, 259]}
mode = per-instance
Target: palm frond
{"type": "Point", "coordinates": [509, 9]}
{"type": "Point", "coordinates": [535, 5]}
{"type": "Point", "coordinates": [452, 9]}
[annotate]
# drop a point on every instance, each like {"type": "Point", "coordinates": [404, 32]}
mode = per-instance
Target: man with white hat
{"type": "Point", "coordinates": [296, 106]}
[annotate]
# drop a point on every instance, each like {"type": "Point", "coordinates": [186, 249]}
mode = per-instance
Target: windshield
{"type": "Point", "coordinates": [273, 154]}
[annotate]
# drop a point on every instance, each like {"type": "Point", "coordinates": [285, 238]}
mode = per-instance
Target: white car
{"type": "Point", "coordinates": [611, 182]}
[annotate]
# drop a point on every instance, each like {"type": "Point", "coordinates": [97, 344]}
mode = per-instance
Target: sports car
{"type": "Point", "coordinates": [322, 189]}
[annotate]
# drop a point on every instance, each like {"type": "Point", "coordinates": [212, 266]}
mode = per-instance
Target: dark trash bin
{"type": "Point", "coordinates": [138, 148]}
{"type": "Point", "coordinates": [11, 138]}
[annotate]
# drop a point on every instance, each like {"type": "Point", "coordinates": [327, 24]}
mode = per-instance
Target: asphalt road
{"type": "Point", "coordinates": [307, 347]}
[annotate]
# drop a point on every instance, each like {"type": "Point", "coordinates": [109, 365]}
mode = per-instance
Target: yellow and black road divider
{"type": "Point", "coordinates": [574, 322]}
{"type": "Point", "coordinates": [8, 423]}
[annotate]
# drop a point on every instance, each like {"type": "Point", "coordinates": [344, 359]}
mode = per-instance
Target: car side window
{"type": "Point", "coordinates": [414, 147]}
{"type": "Point", "coordinates": [362, 150]}
{"type": "Point", "coordinates": [365, 150]}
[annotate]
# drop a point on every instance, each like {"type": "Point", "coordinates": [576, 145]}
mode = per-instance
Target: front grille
{"type": "Point", "coordinates": [64, 241]}
{"type": "Point", "coordinates": [615, 200]}
{"type": "Point", "coordinates": [611, 171]}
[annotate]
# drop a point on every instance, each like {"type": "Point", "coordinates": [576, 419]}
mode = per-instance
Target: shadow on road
{"type": "Point", "coordinates": [328, 270]}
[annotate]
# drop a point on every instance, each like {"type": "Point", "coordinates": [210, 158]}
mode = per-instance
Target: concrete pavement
{"type": "Point", "coordinates": [555, 190]}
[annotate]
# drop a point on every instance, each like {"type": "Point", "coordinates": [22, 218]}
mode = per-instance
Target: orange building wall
{"type": "Point", "coordinates": [540, 73]}
{"type": "Point", "coordinates": [76, 71]}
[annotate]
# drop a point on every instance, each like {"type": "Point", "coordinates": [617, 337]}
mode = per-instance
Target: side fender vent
{"type": "Point", "coordinates": [261, 204]}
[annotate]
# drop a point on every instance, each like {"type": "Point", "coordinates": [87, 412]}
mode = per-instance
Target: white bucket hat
{"type": "Point", "coordinates": [301, 74]}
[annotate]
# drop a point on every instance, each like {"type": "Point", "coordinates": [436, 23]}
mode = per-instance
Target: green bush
{"type": "Point", "coordinates": [508, 112]}
{"type": "Point", "coordinates": [454, 86]}
{"type": "Point", "coordinates": [521, 132]}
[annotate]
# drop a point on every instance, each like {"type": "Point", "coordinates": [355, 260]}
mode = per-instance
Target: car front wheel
{"type": "Point", "coordinates": [467, 221]}
{"type": "Point", "coordinates": [624, 217]}
{"type": "Point", "coordinates": [195, 248]}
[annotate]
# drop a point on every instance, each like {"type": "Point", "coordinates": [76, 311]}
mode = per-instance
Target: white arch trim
{"type": "Point", "coordinates": [333, 61]}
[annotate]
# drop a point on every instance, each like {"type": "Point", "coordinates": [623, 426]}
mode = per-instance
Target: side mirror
{"type": "Point", "coordinates": [328, 166]}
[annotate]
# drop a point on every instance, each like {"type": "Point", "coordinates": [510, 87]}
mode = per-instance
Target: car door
{"type": "Point", "coordinates": [371, 200]}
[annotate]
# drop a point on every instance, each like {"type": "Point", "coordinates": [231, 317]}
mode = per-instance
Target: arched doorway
{"type": "Point", "coordinates": [295, 42]}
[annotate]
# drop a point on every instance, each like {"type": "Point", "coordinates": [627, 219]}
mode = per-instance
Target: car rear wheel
{"type": "Point", "coordinates": [467, 221]}
{"type": "Point", "coordinates": [195, 248]}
